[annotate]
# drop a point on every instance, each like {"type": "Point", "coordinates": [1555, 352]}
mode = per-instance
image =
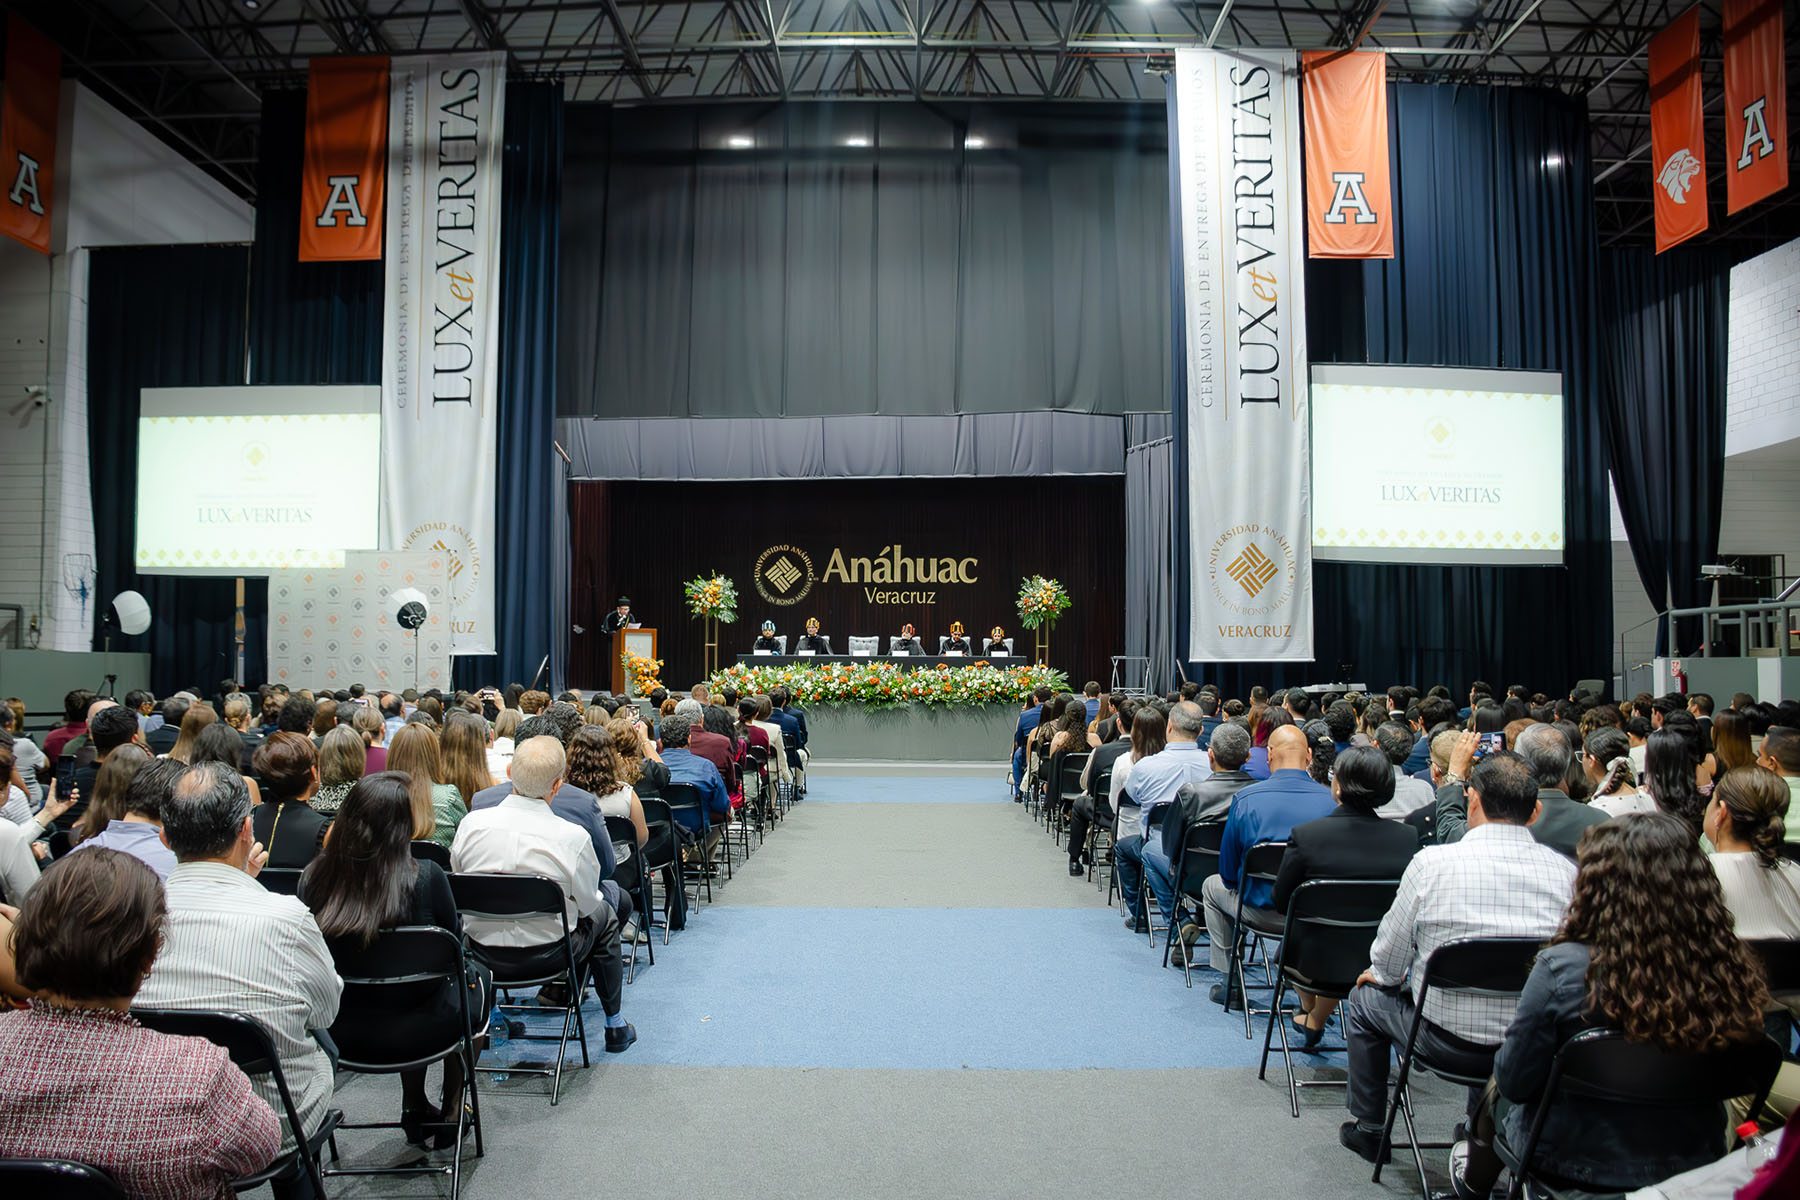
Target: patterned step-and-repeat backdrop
{"type": "Point", "coordinates": [335, 627]}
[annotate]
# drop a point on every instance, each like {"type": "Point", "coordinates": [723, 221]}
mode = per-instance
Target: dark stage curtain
{"type": "Point", "coordinates": [164, 316]}
{"type": "Point", "coordinates": [531, 520]}
{"type": "Point", "coordinates": [1495, 267]}
{"type": "Point", "coordinates": [808, 275]}
{"type": "Point", "coordinates": [1663, 320]}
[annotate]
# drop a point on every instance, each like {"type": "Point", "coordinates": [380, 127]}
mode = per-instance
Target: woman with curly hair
{"type": "Point", "coordinates": [1645, 950]}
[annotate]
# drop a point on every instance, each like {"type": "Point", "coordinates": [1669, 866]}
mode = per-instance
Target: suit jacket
{"type": "Point", "coordinates": [161, 740]}
{"type": "Point", "coordinates": [814, 642]}
{"type": "Point", "coordinates": [252, 739]}
{"type": "Point", "coordinates": [1559, 826]}
{"type": "Point", "coordinates": [715, 748]}
{"type": "Point", "coordinates": [1207, 725]}
{"type": "Point", "coordinates": [1345, 845]}
{"type": "Point", "coordinates": [1204, 803]}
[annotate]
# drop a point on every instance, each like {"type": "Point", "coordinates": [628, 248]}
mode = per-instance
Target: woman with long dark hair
{"type": "Point", "coordinates": [1669, 764]}
{"type": "Point", "coordinates": [1646, 950]}
{"type": "Point", "coordinates": [438, 806]}
{"type": "Point", "coordinates": [462, 748]}
{"type": "Point", "coordinates": [107, 804]}
{"type": "Point", "coordinates": [1149, 734]}
{"type": "Point", "coordinates": [220, 743]}
{"type": "Point", "coordinates": [366, 880]}
{"type": "Point", "coordinates": [1731, 741]}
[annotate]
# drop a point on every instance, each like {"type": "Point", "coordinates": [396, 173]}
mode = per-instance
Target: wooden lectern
{"type": "Point", "coordinates": [641, 642]}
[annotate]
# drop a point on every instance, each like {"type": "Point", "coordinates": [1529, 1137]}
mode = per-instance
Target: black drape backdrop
{"type": "Point", "coordinates": [164, 316]}
{"type": "Point", "coordinates": [1663, 320]}
{"type": "Point", "coordinates": [863, 258]}
{"type": "Point", "coordinates": [1494, 267]}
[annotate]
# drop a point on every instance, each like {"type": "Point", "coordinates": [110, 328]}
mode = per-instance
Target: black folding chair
{"type": "Point", "coordinates": [55, 1179]}
{"type": "Point", "coordinates": [1325, 942]}
{"type": "Point", "coordinates": [431, 852]}
{"type": "Point", "coordinates": [1252, 926]}
{"type": "Point", "coordinates": [1600, 1063]}
{"type": "Point", "coordinates": [623, 832]}
{"type": "Point", "coordinates": [508, 898]}
{"type": "Point", "coordinates": [400, 971]}
{"type": "Point", "coordinates": [685, 797]}
{"type": "Point", "coordinates": [658, 817]}
{"type": "Point", "coordinates": [1195, 861]}
{"type": "Point", "coordinates": [248, 1043]}
{"type": "Point", "coordinates": [283, 881]}
{"type": "Point", "coordinates": [1068, 769]}
{"type": "Point", "coordinates": [1780, 959]}
{"type": "Point", "coordinates": [1493, 967]}
{"type": "Point", "coordinates": [1100, 792]}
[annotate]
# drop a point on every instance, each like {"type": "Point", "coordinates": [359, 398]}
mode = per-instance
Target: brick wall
{"type": "Point", "coordinates": [1762, 385]}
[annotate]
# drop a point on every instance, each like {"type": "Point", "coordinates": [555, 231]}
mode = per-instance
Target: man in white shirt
{"type": "Point", "coordinates": [1154, 782]}
{"type": "Point", "coordinates": [522, 836]}
{"type": "Point", "coordinates": [1497, 882]}
{"type": "Point", "coordinates": [231, 945]}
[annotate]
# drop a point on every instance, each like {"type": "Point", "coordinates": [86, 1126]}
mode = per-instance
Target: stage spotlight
{"type": "Point", "coordinates": [410, 607]}
{"type": "Point", "coordinates": [1552, 162]}
{"type": "Point", "coordinates": [858, 142]}
{"type": "Point", "coordinates": [131, 612]}
{"type": "Point", "coordinates": [740, 141]}
{"type": "Point", "coordinates": [974, 143]}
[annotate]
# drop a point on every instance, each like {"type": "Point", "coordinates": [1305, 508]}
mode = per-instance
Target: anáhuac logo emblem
{"type": "Point", "coordinates": [1252, 569]}
{"type": "Point", "coordinates": [1677, 175]}
{"type": "Point", "coordinates": [454, 542]}
{"type": "Point", "coordinates": [783, 574]}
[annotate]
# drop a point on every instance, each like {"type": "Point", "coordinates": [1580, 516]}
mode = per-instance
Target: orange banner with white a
{"type": "Point", "coordinates": [1756, 135]}
{"type": "Point", "coordinates": [1677, 132]}
{"type": "Point", "coordinates": [28, 134]}
{"type": "Point", "coordinates": [1349, 209]}
{"type": "Point", "coordinates": [344, 182]}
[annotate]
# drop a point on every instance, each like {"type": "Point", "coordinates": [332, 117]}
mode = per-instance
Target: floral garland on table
{"type": "Point", "coordinates": [712, 596]}
{"type": "Point", "coordinates": [1041, 601]}
{"type": "Point", "coordinates": [645, 673]}
{"type": "Point", "coordinates": [881, 684]}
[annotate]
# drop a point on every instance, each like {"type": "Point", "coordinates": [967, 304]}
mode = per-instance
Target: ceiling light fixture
{"type": "Point", "coordinates": [740, 141]}
{"type": "Point", "coordinates": [859, 142]}
{"type": "Point", "coordinates": [974, 143]}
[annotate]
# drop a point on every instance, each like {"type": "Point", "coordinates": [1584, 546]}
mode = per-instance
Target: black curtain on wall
{"type": "Point", "coordinates": [164, 316]}
{"type": "Point", "coordinates": [1663, 320]}
{"type": "Point", "coordinates": [1494, 267]}
{"type": "Point", "coordinates": [803, 274]}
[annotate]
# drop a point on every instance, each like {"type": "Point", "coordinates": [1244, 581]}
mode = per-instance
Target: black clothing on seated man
{"type": "Point", "coordinates": [956, 645]}
{"type": "Point", "coordinates": [1348, 844]}
{"type": "Point", "coordinates": [161, 740]}
{"type": "Point", "coordinates": [1205, 803]}
{"type": "Point", "coordinates": [619, 617]}
{"type": "Point", "coordinates": [909, 645]}
{"type": "Point", "coordinates": [815, 644]}
{"type": "Point", "coordinates": [252, 738]}
{"type": "Point", "coordinates": [767, 643]}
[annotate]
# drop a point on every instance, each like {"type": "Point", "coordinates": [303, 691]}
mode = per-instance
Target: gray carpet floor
{"type": "Point", "coordinates": [682, 1113]}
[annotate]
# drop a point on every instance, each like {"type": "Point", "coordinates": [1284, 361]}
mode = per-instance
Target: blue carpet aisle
{"type": "Point", "coordinates": [903, 993]}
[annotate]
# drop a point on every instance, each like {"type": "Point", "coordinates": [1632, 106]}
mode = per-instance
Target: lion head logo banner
{"type": "Point", "coordinates": [1677, 142]}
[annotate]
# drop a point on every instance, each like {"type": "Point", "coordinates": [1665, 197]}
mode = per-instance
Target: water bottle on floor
{"type": "Point", "coordinates": [498, 1036]}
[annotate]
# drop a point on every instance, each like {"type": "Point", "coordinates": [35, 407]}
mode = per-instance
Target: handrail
{"type": "Point", "coordinates": [1768, 625]}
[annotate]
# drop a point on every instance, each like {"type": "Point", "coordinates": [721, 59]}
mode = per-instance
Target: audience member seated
{"type": "Point", "coordinates": [286, 825]}
{"type": "Point", "coordinates": [28, 759]}
{"type": "Point", "coordinates": [1100, 761]}
{"type": "Point", "coordinates": [1780, 753]}
{"type": "Point", "coordinates": [1029, 715]}
{"type": "Point", "coordinates": [716, 746]}
{"type": "Point", "coordinates": [135, 828]}
{"type": "Point", "coordinates": [595, 767]}
{"type": "Point", "coordinates": [111, 727]}
{"type": "Point", "coordinates": [219, 743]}
{"type": "Point", "coordinates": [230, 944]}
{"type": "Point", "coordinates": [684, 766]}
{"type": "Point", "coordinates": [239, 714]}
{"type": "Point", "coordinates": [1730, 735]}
{"type": "Point", "coordinates": [1643, 950]}
{"type": "Point", "coordinates": [343, 759]}
{"type": "Point", "coordinates": [1670, 776]}
{"type": "Point", "coordinates": [1155, 782]}
{"type": "Point", "coordinates": [1560, 821]}
{"type": "Point", "coordinates": [105, 799]}
{"type": "Point", "coordinates": [1746, 823]}
{"type": "Point", "coordinates": [437, 806]}
{"type": "Point", "coordinates": [462, 754]}
{"type": "Point", "coordinates": [521, 835]}
{"type": "Point", "coordinates": [1070, 733]}
{"type": "Point", "coordinates": [366, 880]}
{"type": "Point", "coordinates": [75, 718]}
{"type": "Point", "coordinates": [1497, 881]}
{"type": "Point", "coordinates": [1207, 802]}
{"type": "Point", "coordinates": [1351, 842]}
{"type": "Point", "coordinates": [500, 744]}
{"type": "Point", "coordinates": [1262, 812]}
{"type": "Point", "coordinates": [1395, 740]}
{"type": "Point", "coordinates": [1606, 760]}
{"type": "Point", "coordinates": [169, 1118]}
{"type": "Point", "coordinates": [1263, 727]}
{"type": "Point", "coordinates": [193, 723]}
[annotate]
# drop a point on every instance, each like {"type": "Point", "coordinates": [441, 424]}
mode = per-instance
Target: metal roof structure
{"type": "Point", "coordinates": [195, 70]}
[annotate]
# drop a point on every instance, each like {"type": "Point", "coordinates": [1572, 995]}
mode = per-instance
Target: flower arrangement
{"type": "Point", "coordinates": [1041, 601]}
{"type": "Point", "coordinates": [881, 684]}
{"type": "Point", "coordinates": [712, 596]}
{"type": "Point", "coordinates": [644, 673]}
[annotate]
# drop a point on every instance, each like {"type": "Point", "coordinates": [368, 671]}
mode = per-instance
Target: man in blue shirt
{"type": "Point", "coordinates": [1155, 782]}
{"type": "Point", "coordinates": [1028, 721]}
{"type": "Point", "coordinates": [687, 767]}
{"type": "Point", "coordinates": [1090, 694]}
{"type": "Point", "coordinates": [1210, 719]}
{"type": "Point", "coordinates": [1262, 812]}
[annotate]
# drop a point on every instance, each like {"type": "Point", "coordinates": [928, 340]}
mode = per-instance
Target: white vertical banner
{"type": "Point", "coordinates": [1243, 230]}
{"type": "Point", "coordinates": [440, 352]}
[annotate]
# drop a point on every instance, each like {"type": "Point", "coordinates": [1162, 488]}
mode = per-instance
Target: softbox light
{"type": "Point", "coordinates": [132, 611]}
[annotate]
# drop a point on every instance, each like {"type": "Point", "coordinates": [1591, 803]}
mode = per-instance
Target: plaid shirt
{"type": "Point", "coordinates": [169, 1117]}
{"type": "Point", "coordinates": [1497, 882]}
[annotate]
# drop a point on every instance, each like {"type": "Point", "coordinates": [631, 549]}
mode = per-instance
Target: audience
{"type": "Point", "coordinates": [288, 828]}
{"type": "Point", "coordinates": [1746, 823]}
{"type": "Point", "coordinates": [1606, 761]}
{"type": "Point", "coordinates": [1155, 781]}
{"type": "Point", "coordinates": [231, 944]}
{"type": "Point", "coordinates": [1641, 951]}
{"type": "Point", "coordinates": [687, 767]}
{"type": "Point", "coordinates": [438, 806]}
{"type": "Point", "coordinates": [111, 727]}
{"type": "Point", "coordinates": [1204, 803]}
{"type": "Point", "coordinates": [521, 835]}
{"type": "Point", "coordinates": [1671, 767]}
{"type": "Point", "coordinates": [166, 1117]}
{"type": "Point", "coordinates": [343, 759]}
{"type": "Point", "coordinates": [1780, 753]}
{"type": "Point", "coordinates": [133, 824]}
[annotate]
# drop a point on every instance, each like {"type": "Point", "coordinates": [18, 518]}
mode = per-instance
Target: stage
{"type": "Point", "coordinates": [846, 734]}
{"type": "Point", "coordinates": [902, 660]}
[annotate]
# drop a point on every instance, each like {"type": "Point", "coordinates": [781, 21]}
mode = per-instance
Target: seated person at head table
{"type": "Point", "coordinates": [956, 643]}
{"type": "Point", "coordinates": [767, 640]}
{"type": "Point", "coordinates": [909, 641]}
{"type": "Point", "coordinates": [619, 617]}
{"type": "Point", "coordinates": [812, 641]}
{"type": "Point", "coordinates": [996, 641]}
